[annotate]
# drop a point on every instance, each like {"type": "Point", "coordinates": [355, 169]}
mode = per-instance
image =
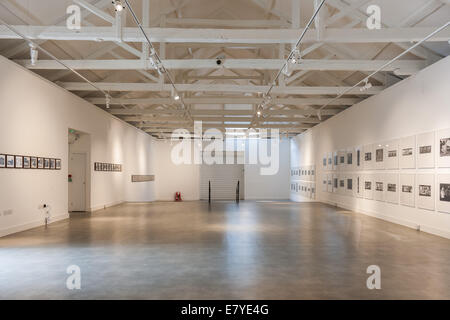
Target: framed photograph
{"type": "Point", "coordinates": [391, 154]}
{"type": "Point", "coordinates": [2, 160]}
{"type": "Point", "coordinates": [58, 164]}
{"type": "Point", "coordinates": [379, 154]}
{"type": "Point", "coordinates": [358, 158]}
{"type": "Point", "coordinates": [33, 162]}
{"type": "Point", "coordinates": [358, 181]}
{"type": "Point", "coordinates": [444, 193]}
{"type": "Point", "coordinates": [425, 191]}
{"type": "Point", "coordinates": [335, 183]}
{"type": "Point", "coordinates": [10, 161]}
{"type": "Point", "coordinates": [324, 161]}
{"type": "Point", "coordinates": [407, 192]}
{"type": "Point", "coordinates": [349, 185]}
{"type": "Point", "coordinates": [368, 187]}
{"type": "Point", "coordinates": [40, 163]}
{"type": "Point", "coordinates": [392, 188]}
{"type": "Point", "coordinates": [19, 162]}
{"type": "Point", "coordinates": [425, 150]}
{"type": "Point", "coordinates": [330, 161]}
{"type": "Point", "coordinates": [52, 164]}
{"type": "Point", "coordinates": [368, 157]}
{"type": "Point", "coordinates": [407, 152]}
{"type": "Point", "coordinates": [443, 142]}
{"type": "Point", "coordinates": [26, 162]}
{"type": "Point", "coordinates": [46, 163]}
{"type": "Point", "coordinates": [335, 160]}
{"type": "Point", "coordinates": [380, 187]}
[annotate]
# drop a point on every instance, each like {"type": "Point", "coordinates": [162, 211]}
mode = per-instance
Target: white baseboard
{"type": "Point", "coordinates": [108, 205]}
{"type": "Point", "coordinates": [403, 222]}
{"type": "Point", "coordinates": [31, 225]}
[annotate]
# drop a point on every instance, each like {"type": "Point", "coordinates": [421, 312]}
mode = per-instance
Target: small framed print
{"type": "Point", "coordinates": [26, 163]}
{"type": "Point", "coordinates": [33, 162]}
{"type": "Point", "coordinates": [19, 162]}
{"type": "Point", "coordinates": [2, 160]}
{"type": "Point", "coordinates": [52, 164]}
{"type": "Point", "coordinates": [58, 164]}
{"type": "Point", "coordinates": [10, 161]}
{"type": "Point", "coordinates": [40, 162]}
{"type": "Point", "coordinates": [46, 163]}
{"type": "Point", "coordinates": [95, 166]}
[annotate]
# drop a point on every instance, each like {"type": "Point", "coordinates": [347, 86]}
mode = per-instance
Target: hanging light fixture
{"type": "Point", "coordinates": [118, 5]}
{"type": "Point", "coordinates": [107, 101]}
{"type": "Point", "coordinates": [34, 53]}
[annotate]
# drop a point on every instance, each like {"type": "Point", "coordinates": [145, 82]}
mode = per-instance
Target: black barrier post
{"type": "Point", "coordinates": [237, 192]}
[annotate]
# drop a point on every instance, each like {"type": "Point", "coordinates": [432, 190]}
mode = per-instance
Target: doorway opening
{"type": "Point", "coordinates": [79, 175]}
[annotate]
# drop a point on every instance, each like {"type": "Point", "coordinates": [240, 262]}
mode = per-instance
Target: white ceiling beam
{"type": "Point", "coordinates": [177, 35]}
{"type": "Point", "coordinates": [148, 87]}
{"type": "Point", "coordinates": [227, 23]}
{"type": "Point", "coordinates": [402, 67]}
{"type": "Point", "coordinates": [223, 126]}
{"type": "Point", "coordinates": [207, 119]}
{"type": "Point", "coordinates": [226, 100]}
{"type": "Point", "coordinates": [217, 112]}
{"type": "Point", "coordinates": [95, 10]}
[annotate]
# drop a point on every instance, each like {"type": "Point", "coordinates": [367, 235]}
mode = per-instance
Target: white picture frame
{"type": "Point", "coordinates": [443, 153]}
{"type": "Point", "coordinates": [358, 185]}
{"type": "Point", "coordinates": [391, 154]}
{"type": "Point", "coordinates": [330, 183]}
{"type": "Point", "coordinates": [443, 193]}
{"type": "Point", "coordinates": [379, 187]}
{"type": "Point", "coordinates": [425, 150]}
{"type": "Point", "coordinates": [349, 185]}
{"type": "Point", "coordinates": [425, 191]}
{"type": "Point", "coordinates": [368, 186]}
{"type": "Point", "coordinates": [368, 157]}
{"type": "Point", "coordinates": [379, 153]}
{"type": "Point", "coordinates": [391, 188]}
{"type": "Point", "coordinates": [358, 161]}
{"type": "Point", "coordinates": [335, 183]}
{"type": "Point", "coordinates": [407, 152]}
{"type": "Point", "coordinates": [407, 189]}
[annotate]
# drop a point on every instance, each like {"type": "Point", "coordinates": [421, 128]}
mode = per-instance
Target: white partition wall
{"type": "Point", "coordinates": [403, 135]}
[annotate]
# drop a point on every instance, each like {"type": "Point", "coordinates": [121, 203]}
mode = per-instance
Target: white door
{"type": "Point", "coordinates": [224, 179]}
{"type": "Point", "coordinates": [77, 188]}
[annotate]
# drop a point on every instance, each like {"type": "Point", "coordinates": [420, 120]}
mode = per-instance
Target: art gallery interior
{"type": "Point", "coordinates": [333, 117]}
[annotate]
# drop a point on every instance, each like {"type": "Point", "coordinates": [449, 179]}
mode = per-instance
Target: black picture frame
{"type": "Point", "coordinates": [18, 162]}
{"type": "Point", "coordinates": [27, 162]}
{"type": "Point", "coordinates": [40, 163]}
{"type": "Point", "coordinates": [52, 164]}
{"type": "Point", "coordinates": [33, 163]}
{"type": "Point", "coordinates": [47, 163]}
{"type": "Point", "coordinates": [2, 160]}
{"type": "Point", "coordinates": [58, 164]}
{"type": "Point", "coordinates": [10, 161]}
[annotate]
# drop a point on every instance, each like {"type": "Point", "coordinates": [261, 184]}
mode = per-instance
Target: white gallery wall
{"type": "Point", "coordinates": [35, 116]}
{"type": "Point", "coordinates": [399, 115]}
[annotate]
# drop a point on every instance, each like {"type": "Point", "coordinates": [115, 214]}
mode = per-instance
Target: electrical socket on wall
{"type": "Point", "coordinates": [7, 212]}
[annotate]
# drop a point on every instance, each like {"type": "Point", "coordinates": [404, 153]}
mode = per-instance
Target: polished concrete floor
{"type": "Point", "coordinates": [254, 250]}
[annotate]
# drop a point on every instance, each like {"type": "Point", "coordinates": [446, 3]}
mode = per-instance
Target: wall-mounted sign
{"type": "Point", "coordinates": [109, 167]}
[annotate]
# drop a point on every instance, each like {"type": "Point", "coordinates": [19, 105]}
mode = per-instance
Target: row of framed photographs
{"type": "Point", "coordinates": [10, 161]}
{"type": "Point", "coordinates": [303, 173]}
{"type": "Point", "coordinates": [410, 190]}
{"type": "Point", "coordinates": [423, 151]}
{"type": "Point", "coordinates": [109, 167]}
{"type": "Point", "coordinates": [305, 189]}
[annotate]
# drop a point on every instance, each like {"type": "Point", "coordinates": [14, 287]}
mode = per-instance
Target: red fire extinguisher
{"type": "Point", "coordinates": [178, 196]}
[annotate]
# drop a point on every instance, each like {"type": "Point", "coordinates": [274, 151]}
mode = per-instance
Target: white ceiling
{"type": "Point", "coordinates": [252, 36]}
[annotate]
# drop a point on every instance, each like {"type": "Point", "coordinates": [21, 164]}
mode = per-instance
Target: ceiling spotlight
{"type": "Point", "coordinates": [34, 53]}
{"type": "Point", "coordinates": [118, 6]}
{"type": "Point", "coordinates": [367, 85]}
{"type": "Point", "coordinates": [175, 95]}
{"type": "Point", "coordinates": [287, 70]}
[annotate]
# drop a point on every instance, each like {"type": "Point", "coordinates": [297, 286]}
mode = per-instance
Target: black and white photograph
{"type": "Point", "coordinates": [335, 160]}
{"type": "Point", "coordinates": [378, 186]}
{"type": "Point", "coordinates": [342, 160]}
{"type": "Point", "coordinates": [2, 160]}
{"type": "Point", "coordinates": [424, 190]}
{"type": "Point", "coordinates": [33, 162]}
{"type": "Point", "coordinates": [368, 156]}
{"type": "Point", "coordinates": [46, 163]}
{"type": "Point", "coordinates": [392, 187]}
{"type": "Point", "coordinates": [407, 152]}
{"type": "Point", "coordinates": [335, 183]}
{"type": "Point", "coordinates": [368, 185]}
{"type": "Point", "coordinates": [341, 183]}
{"type": "Point", "coordinates": [53, 164]}
{"type": "Point", "coordinates": [358, 157]}
{"type": "Point", "coordinates": [19, 162]}
{"type": "Point", "coordinates": [392, 153]}
{"type": "Point", "coordinates": [349, 184]}
{"type": "Point", "coordinates": [26, 162]}
{"type": "Point", "coordinates": [349, 158]}
{"type": "Point", "coordinates": [407, 189]}
{"type": "Point", "coordinates": [58, 164]}
{"type": "Point", "coordinates": [424, 149]}
{"type": "Point", "coordinates": [324, 162]}
{"type": "Point", "coordinates": [10, 161]}
{"type": "Point", "coordinates": [445, 147]}
{"type": "Point", "coordinates": [444, 192]}
{"type": "Point", "coordinates": [379, 155]}
{"type": "Point", "coordinates": [40, 163]}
